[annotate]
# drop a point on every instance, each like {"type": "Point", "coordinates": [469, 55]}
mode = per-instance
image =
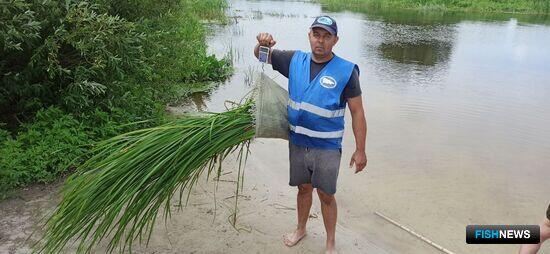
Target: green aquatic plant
{"type": "Point", "coordinates": [119, 192]}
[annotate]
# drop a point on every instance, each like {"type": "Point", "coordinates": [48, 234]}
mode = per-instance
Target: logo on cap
{"type": "Point", "coordinates": [327, 82]}
{"type": "Point", "coordinates": [325, 21]}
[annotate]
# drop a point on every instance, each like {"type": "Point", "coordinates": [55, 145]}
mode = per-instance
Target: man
{"type": "Point", "coordinates": [544, 235]}
{"type": "Point", "coordinates": [320, 85]}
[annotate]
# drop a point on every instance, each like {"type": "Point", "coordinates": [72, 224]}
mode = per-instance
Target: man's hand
{"type": "Point", "coordinates": [266, 40]}
{"type": "Point", "coordinates": [359, 158]}
{"type": "Point", "coordinates": [359, 124]}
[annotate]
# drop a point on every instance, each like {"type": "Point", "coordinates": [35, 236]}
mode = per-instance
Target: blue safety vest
{"type": "Point", "coordinates": [315, 111]}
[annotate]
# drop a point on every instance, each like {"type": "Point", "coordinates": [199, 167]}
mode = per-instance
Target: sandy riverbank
{"type": "Point", "coordinates": [266, 211]}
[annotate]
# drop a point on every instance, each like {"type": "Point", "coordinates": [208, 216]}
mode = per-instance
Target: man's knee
{"type": "Point", "coordinates": [304, 189]}
{"type": "Point", "coordinates": [325, 198]}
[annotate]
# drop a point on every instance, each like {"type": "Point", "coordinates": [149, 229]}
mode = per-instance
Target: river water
{"type": "Point", "coordinates": [458, 112]}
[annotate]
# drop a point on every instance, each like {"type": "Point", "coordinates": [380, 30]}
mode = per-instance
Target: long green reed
{"type": "Point", "coordinates": [120, 190]}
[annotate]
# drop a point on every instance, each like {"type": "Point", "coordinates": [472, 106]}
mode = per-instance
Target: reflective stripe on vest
{"type": "Point", "coordinates": [316, 110]}
{"type": "Point", "coordinates": [316, 134]}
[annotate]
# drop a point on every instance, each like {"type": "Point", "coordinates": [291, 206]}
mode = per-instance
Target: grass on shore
{"type": "Point", "coordinates": [505, 6]}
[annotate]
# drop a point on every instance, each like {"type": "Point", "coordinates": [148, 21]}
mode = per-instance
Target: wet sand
{"type": "Point", "coordinates": [266, 210]}
{"type": "Point", "coordinates": [435, 205]}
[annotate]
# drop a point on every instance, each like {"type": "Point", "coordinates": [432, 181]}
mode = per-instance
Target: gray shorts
{"type": "Point", "coordinates": [316, 166]}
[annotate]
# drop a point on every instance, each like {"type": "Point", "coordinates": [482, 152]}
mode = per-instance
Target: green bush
{"type": "Point", "coordinates": [81, 54]}
{"type": "Point", "coordinates": [42, 150]}
{"type": "Point", "coordinates": [4, 135]}
{"type": "Point", "coordinates": [66, 55]}
{"type": "Point", "coordinates": [181, 57]}
{"type": "Point", "coordinates": [55, 142]}
{"type": "Point", "coordinates": [78, 71]}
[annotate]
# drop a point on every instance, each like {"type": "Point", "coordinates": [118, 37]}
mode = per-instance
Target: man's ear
{"type": "Point", "coordinates": [336, 41]}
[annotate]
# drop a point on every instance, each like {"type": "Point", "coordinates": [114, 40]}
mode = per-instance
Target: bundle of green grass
{"type": "Point", "coordinates": [120, 190]}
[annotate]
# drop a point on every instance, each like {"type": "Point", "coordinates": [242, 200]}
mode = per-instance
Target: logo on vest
{"type": "Point", "coordinates": [327, 82]}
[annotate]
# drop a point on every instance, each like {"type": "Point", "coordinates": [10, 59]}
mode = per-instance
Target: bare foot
{"type": "Point", "coordinates": [331, 252]}
{"type": "Point", "coordinates": [330, 249]}
{"type": "Point", "coordinates": [291, 239]}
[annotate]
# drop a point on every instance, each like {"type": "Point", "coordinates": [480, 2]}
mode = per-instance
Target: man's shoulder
{"type": "Point", "coordinates": [281, 60]}
{"type": "Point", "coordinates": [354, 66]}
{"type": "Point", "coordinates": [345, 60]}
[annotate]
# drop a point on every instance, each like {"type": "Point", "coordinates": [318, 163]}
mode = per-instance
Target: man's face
{"type": "Point", "coordinates": [321, 41]}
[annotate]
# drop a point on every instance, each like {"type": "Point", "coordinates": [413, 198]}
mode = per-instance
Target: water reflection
{"type": "Point", "coordinates": [198, 100]}
{"type": "Point", "coordinates": [415, 39]}
{"type": "Point", "coordinates": [423, 53]}
{"type": "Point", "coordinates": [413, 54]}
